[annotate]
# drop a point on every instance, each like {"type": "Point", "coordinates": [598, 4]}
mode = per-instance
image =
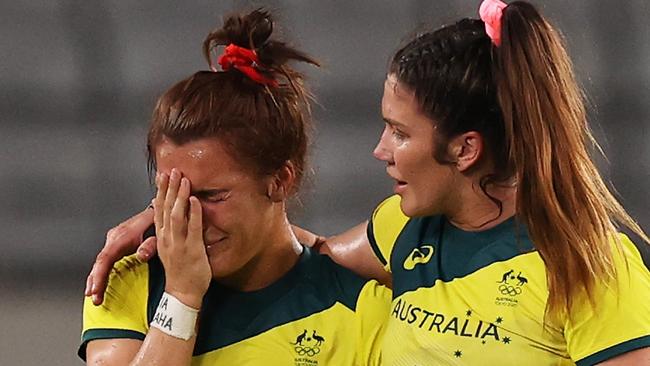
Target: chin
{"type": "Point", "coordinates": [407, 209]}
{"type": "Point", "coordinates": [406, 203]}
{"type": "Point", "coordinates": [411, 208]}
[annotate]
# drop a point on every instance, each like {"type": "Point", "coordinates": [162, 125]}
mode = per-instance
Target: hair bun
{"type": "Point", "coordinates": [250, 31]}
{"type": "Point", "coordinates": [253, 31]}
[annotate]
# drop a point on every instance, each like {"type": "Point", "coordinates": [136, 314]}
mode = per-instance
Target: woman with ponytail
{"type": "Point", "coordinates": [231, 284]}
{"type": "Point", "coordinates": [503, 239]}
{"type": "Point", "coordinates": [502, 242]}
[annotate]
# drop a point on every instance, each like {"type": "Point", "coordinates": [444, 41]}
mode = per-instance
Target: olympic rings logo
{"type": "Point", "coordinates": [309, 351]}
{"type": "Point", "coordinates": [510, 290]}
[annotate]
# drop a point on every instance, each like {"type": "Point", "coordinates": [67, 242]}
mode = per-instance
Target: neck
{"type": "Point", "coordinates": [280, 255]}
{"type": "Point", "coordinates": [478, 211]}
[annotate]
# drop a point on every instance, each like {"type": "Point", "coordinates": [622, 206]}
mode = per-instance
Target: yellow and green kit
{"type": "Point", "coordinates": [317, 314]}
{"type": "Point", "coordinates": [479, 298]}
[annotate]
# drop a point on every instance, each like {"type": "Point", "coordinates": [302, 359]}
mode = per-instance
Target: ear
{"type": "Point", "coordinates": [280, 184]}
{"type": "Point", "coordinates": [466, 150]}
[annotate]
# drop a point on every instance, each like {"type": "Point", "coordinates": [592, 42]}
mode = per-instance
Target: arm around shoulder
{"type": "Point", "coordinates": [121, 240]}
{"type": "Point", "coordinates": [366, 248]}
{"type": "Point", "coordinates": [351, 249]}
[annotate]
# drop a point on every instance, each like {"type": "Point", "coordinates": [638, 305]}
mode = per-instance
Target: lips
{"type": "Point", "coordinates": [400, 185]}
{"type": "Point", "coordinates": [213, 243]}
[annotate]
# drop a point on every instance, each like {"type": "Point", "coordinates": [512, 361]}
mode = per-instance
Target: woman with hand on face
{"type": "Point", "coordinates": [502, 240]}
{"type": "Point", "coordinates": [229, 150]}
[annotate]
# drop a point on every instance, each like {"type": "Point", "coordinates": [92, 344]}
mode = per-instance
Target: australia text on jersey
{"type": "Point", "coordinates": [444, 324]}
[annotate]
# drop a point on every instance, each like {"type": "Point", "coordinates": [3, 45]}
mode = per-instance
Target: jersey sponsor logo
{"type": "Point", "coordinates": [419, 255]}
{"type": "Point", "coordinates": [510, 286]}
{"type": "Point", "coordinates": [307, 346]}
{"type": "Point", "coordinates": [437, 322]}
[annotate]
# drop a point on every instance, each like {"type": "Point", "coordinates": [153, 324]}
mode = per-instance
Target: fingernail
{"type": "Point", "coordinates": [95, 299]}
{"type": "Point", "coordinates": [142, 253]}
{"type": "Point", "coordinates": [94, 288]}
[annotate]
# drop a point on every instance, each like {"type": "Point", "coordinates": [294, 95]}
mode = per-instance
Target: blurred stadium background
{"type": "Point", "coordinates": [78, 80]}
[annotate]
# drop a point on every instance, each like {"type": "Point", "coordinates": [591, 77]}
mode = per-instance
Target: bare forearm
{"type": "Point", "coordinates": [158, 348]}
{"type": "Point", "coordinates": [187, 272]}
{"type": "Point", "coordinates": [352, 250]}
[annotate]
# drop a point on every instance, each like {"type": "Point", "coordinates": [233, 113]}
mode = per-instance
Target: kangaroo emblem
{"type": "Point", "coordinates": [522, 280]}
{"type": "Point", "coordinates": [504, 278]}
{"type": "Point", "coordinates": [301, 337]}
{"type": "Point", "coordinates": [319, 339]}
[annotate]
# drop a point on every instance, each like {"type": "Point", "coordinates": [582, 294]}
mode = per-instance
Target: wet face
{"type": "Point", "coordinates": [407, 145]}
{"type": "Point", "coordinates": [237, 212]}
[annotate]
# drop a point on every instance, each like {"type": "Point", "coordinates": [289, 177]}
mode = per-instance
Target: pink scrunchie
{"type": "Point", "coordinates": [490, 13]}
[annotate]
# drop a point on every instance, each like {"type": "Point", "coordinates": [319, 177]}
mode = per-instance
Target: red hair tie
{"type": "Point", "coordinates": [246, 61]}
{"type": "Point", "coordinates": [490, 13]}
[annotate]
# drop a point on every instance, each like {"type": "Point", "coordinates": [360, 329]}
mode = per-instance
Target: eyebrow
{"type": "Point", "coordinates": [392, 122]}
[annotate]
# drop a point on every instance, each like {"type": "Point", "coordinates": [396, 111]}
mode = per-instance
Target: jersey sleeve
{"type": "Point", "coordinates": [373, 307]}
{"type": "Point", "coordinates": [123, 314]}
{"type": "Point", "coordinates": [620, 321]}
{"type": "Point", "coordinates": [384, 227]}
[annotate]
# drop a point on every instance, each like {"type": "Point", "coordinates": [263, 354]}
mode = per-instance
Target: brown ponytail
{"type": "Point", "coordinates": [570, 214]}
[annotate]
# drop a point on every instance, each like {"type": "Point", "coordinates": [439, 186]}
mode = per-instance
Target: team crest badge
{"type": "Point", "coordinates": [307, 345]}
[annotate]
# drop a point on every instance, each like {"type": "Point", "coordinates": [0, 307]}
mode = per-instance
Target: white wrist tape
{"type": "Point", "coordinates": [175, 318]}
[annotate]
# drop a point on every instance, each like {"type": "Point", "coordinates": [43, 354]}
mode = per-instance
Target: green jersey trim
{"type": "Point", "coordinates": [644, 250]}
{"type": "Point", "coordinates": [373, 244]}
{"type": "Point", "coordinates": [614, 351]}
{"type": "Point", "coordinates": [449, 252]}
{"type": "Point", "coordinates": [95, 334]}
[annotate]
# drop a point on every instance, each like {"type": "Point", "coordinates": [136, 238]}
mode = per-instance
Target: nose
{"type": "Point", "coordinates": [382, 151]}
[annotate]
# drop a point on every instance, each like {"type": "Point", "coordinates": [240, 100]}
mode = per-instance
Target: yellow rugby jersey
{"type": "Point", "coordinates": [317, 314]}
{"type": "Point", "coordinates": [478, 298]}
